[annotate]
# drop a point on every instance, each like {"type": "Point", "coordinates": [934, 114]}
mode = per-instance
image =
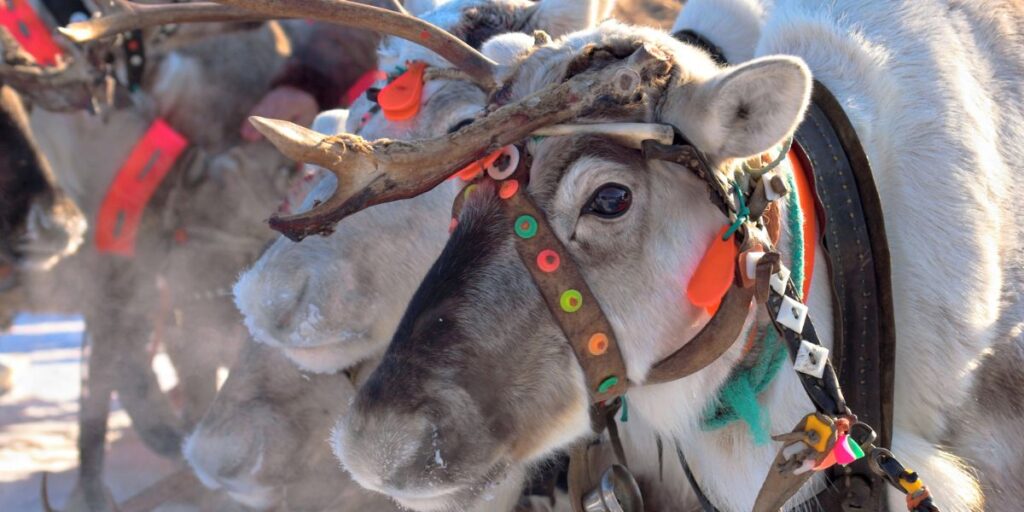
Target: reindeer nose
{"type": "Point", "coordinates": [381, 450]}
{"type": "Point", "coordinates": [287, 301]}
{"type": "Point", "coordinates": [269, 299]}
{"type": "Point", "coordinates": [216, 461]}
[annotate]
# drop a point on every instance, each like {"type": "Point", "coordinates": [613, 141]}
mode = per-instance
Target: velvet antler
{"type": "Point", "coordinates": [386, 170]}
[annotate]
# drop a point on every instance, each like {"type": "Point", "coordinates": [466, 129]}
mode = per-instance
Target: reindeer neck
{"type": "Point", "coordinates": [731, 446]}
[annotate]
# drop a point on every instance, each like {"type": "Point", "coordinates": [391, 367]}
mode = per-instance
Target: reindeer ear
{"type": "Point", "coordinates": [506, 49]}
{"type": "Point", "coordinates": [560, 17]}
{"type": "Point", "coordinates": [748, 109]}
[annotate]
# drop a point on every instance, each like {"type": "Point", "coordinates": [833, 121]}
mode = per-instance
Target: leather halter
{"type": "Point", "coordinates": [577, 311]}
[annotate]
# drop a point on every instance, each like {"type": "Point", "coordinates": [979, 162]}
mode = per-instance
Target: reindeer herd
{"type": "Point", "coordinates": [389, 351]}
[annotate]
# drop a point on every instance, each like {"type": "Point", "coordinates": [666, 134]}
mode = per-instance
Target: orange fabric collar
{"type": "Point", "coordinates": [117, 223]}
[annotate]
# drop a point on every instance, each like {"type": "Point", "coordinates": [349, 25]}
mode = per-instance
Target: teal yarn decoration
{"type": "Point", "coordinates": [737, 398]}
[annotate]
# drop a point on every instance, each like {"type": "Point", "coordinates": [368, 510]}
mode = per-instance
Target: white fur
{"type": "Point", "coordinates": [556, 17]}
{"type": "Point", "coordinates": [748, 109]}
{"type": "Point", "coordinates": [927, 87]}
{"type": "Point", "coordinates": [732, 25]}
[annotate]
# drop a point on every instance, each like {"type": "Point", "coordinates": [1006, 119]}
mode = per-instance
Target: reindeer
{"type": "Point", "coordinates": [336, 312]}
{"type": "Point", "coordinates": [162, 292]}
{"type": "Point", "coordinates": [263, 439]}
{"type": "Point", "coordinates": [39, 225]}
{"type": "Point", "coordinates": [506, 389]}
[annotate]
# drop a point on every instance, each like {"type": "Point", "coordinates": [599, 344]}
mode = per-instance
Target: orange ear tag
{"type": "Point", "coordinates": [714, 273]}
{"type": "Point", "coordinates": [400, 100]}
{"type": "Point", "coordinates": [471, 171]}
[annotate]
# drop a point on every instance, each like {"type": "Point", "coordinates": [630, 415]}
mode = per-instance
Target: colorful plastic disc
{"type": "Point", "coordinates": [526, 226]}
{"type": "Point", "coordinates": [548, 260]}
{"type": "Point", "coordinates": [571, 301]}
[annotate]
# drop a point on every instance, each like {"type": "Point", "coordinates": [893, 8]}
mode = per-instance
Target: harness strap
{"type": "Point", "coordinates": [705, 503]}
{"type": "Point", "coordinates": [147, 165]}
{"type": "Point", "coordinates": [711, 342]}
{"type": "Point", "coordinates": [692, 37]}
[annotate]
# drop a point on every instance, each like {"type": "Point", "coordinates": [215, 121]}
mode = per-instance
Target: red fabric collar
{"type": "Point", "coordinates": [117, 223]}
{"type": "Point", "coordinates": [28, 28]}
{"type": "Point", "coordinates": [361, 85]}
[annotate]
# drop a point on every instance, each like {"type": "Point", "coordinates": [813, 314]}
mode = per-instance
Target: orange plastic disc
{"type": "Point", "coordinates": [491, 158]}
{"type": "Point", "coordinates": [714, 273]}
{"type": "Point", "coordinates": [470, 172]}
{"type": "Point", "coordinates": [598, 344]}
{"type": "Point", "coordinates": [508, 189]}
{"type": "Point", "coordinates": [400, 100]}
{"type": "Point", "coordinates": [548, 261]}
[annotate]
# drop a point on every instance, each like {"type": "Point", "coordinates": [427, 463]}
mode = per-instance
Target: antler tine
{"type": "Point", "coordinates": [342, 12]}
{"type": "Point", "coordinates": [131, 16]}
{"type": "Point", "coordinates": [480, 68]}
{"type": "Point", "coordinates": [386, 170]}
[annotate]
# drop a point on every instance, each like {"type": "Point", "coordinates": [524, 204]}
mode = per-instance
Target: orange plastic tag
{"type": "Point", "coordinates": [400, 100]}
{"type": "Point", "coordinates": [714, 273]}
{"type": "Point", "coordinates": [471, 171]}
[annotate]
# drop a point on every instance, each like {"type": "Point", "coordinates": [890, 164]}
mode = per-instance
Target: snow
{"type": "Point", "coordinates": [38, 419]}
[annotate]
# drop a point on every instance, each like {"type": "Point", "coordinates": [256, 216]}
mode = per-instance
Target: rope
{"type": "Point", "coordinates": [737, 398]}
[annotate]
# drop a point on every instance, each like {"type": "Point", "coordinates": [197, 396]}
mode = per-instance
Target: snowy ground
{"type": "Point", "coordinates": [38, 428]}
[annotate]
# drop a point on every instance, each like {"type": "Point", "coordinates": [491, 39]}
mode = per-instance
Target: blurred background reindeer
{"type": "Point", "coordinates": [163, 107]}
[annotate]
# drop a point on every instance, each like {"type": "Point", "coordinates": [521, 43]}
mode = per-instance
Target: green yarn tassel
{"type": "Point", "coordinates": [737, 398]}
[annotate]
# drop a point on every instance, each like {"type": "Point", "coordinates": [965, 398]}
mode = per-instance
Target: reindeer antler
{"type": "Point", "coordinates": [131, 16]}
{"type": "Point", "coordinates": [342, 12]}
{"type": "Point", "coordinates": [386, 170]}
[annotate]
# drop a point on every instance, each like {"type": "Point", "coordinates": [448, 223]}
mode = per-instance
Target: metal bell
{"type": "Point", "coordinates": [617, 492]}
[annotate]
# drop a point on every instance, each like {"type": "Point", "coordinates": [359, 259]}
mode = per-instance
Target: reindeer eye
{"type": "Point", "coordinates": [610, 201]}
{"type": "Point", "coordinates": [460, 125]}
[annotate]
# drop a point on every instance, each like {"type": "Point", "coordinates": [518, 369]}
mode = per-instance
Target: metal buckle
{"type": "Point", "coordinates": [617, 492]}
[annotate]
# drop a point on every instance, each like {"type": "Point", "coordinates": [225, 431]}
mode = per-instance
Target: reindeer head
{"type": "Point", "coordinates": [478, 374]}
{"type": "Point", "coordinates": [265, 432]}
{"type": "Point", "coordinates": [39, 224]}
{"type": "Point", "coordinates": [332, 302]}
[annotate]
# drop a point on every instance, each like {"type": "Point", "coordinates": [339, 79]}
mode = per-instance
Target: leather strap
{"type": "Point", "coordinates": [692, 37]}
{"type": "Point", "coordinates": [711, 342]}
{"type": "Point", "coordinates": [577, 310]}
{"type": "Point", "coordinates": [858, 257]}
